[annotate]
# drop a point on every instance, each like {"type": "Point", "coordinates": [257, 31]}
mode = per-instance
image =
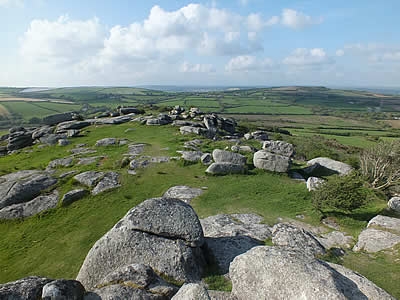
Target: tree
{"type": "Point", "coordinates": [342, 192]}
{"type": "Point", "coordinates": [381, 165]}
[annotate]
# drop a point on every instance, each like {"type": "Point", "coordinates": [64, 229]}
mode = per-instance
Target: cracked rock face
{"type": "Point", "coordinates": [164, 234]}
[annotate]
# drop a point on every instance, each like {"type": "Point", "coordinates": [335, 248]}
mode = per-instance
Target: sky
{"type": "Point", "coordinates": [54, 43]}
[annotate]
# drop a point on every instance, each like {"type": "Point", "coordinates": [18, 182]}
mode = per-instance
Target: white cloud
{"type": "Point", "coordinates": [339, 52]}
{"type": "Point", "coordinates": [307, 57]}
{"type": "Point", "coordinates": [63, 41]}
{"type": "Point", "coordinates": [375, 53]}
{"type": "Point", "coordinates": [255, 22]}
{"type": "Point", "coordinates": [196, 68]}
{"type": "Point", "coordinates": [298, 20]}
{"type": "Point", "coordinates": [244, 2]}
{"type": "Point", "coordinates": [9, 3]}
{"type": "Point", "coordinates": [246, 63]}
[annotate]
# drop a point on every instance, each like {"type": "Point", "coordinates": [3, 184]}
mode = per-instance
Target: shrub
{"type": "Point", "coordinates": [342, 192]}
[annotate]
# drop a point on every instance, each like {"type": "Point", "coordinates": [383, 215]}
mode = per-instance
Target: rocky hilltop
{"type": "Point", "coordinates": [161, 249]}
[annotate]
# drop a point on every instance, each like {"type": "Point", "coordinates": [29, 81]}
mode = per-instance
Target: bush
{"type": "Point", "coordinates": [342, 192]}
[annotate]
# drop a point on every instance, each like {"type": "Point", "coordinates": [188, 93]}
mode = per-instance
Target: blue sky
{"type": "Point", "coordinates": [220, 42]}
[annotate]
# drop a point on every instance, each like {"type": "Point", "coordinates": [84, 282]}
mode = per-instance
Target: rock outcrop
{"type": "Point", "coordinates": [323, 166]}
{"type": "Point", "coordinates": [162, 233]}
{"type": "Point", "coordinates": [26, 288]}
{"type": "Point", "coordinates": [226, 162]}
{"type": "Point", "coordinates": [271, 162]}
{"type": "Point", "coordinates": [182, 192]}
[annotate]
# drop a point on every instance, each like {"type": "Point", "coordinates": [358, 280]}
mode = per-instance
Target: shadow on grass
{"type": "Point", "coordinates": [358, 215]}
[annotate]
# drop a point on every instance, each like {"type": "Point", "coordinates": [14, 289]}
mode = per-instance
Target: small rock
{"type": "Point", "coordinates": [109, 181]}
{"type": "Point", "coordinates": [192, 291]}
{"type": "Point", "coordinates": [182, 192]}
{"type": "Point", "coordinates": [106, 142]}
{"type": "Point", "coordinates": [394, 204]}
{"type": "Point", "coordinates": [63, 142]}
{"type": "Point", "coordinates": [206, 159]}
{"type": "Point", "coordinates": [89, 178]}
{"type": "Point", "coordinates": [62, 162]}
{"type": "Point", "coordinates": [63, 289]}
{"type": "Point", "coordinates": [73, 196]}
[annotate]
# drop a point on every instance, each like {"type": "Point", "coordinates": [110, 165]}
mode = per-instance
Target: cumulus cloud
{"type": "Point", "coordinates": [62, 41]}
{"type": "Point", "coordinates": [339, 52]}
{"type": "Point", "coordinates": [246, 63]}
{"type": "Point", "coordinates": [375, 52]}
{"type": "Point", "coordinates": [255, 22]}
{"type": "Point", "coordinates": [298, 20]}
{"type": "Point", "coordinates": [307, 57]}
{"type": "Point", "coordinates": [197, 68]}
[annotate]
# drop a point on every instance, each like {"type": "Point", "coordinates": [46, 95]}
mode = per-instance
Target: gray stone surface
{"type": "Point", "coordinates": [65, 126]}
{"type": "Point", "coordinates": [30, 208]}
{"type": "Point", "coordinates": [89, 178]}
{"type": "Point", "coordinates": [83, 161]}
{"type": "Point", "coordinates": [206, 159]}
{"type": "Point", "coordinates": [58, 118]}
{"type": "Point", "coordinates": [23, 188]}
{"type": "Point", "coordinates": [295, 238]}
{"type": "Point", "coordinates": [164, 234]}
{"type": "Point", "coordinates": [220, 295]}
{"type": "Point", "coordinates": [277, 273]}
{"type": "Point", "coordinates": [182, 192]}
{"type": "Point", "coordinates": [142, 277]}
{"type": "Point", "coordinates": [394, 204]}
{"type": "Point", "coordinates": [61, 162]}
{"type": "Point", "coordinates": [191, 156]}
{"type": "Point", "coordinates": [110, 180]}
{"type": "Point", "coordinates": [19, 138]}
{"type": "Point", "coordinates": [244, 148]}
{"type": "Point", "coordinates": [63, 289]}
{"type": "Point", "coordinates": [221, 156]}
{"type": "Point", "coordinates": [192, 291]}
{"type": "Point", "coordinates": [336, 239]}
{"type": "Point", "coordinates": [121, 292]}
{"type": "Point", "coordinates": [313, 183]}
{"type": "Point", "coordinates": [373, 240]}
{"type": "Point", "coordinates": [112, 120]}
{"type": "Point", "coordinates": [63, 142]}
{"type": "Point", "coordinates": [223, 225]}
{"type": "Point", "coordinates": [135, 149]}
{"type": "Point", "coordinates": [225, 168]}
{"type": "Point", "coordinates": [73, 196]}
{"type": "Point", "coordinates": [193, 130]}
{"type": "Point", "coordinates": [385, 223]}
{"type": "Point", "coordinates": [106, 142]}
{"type": "Point", "coordinates": [279, 147]}
{"type": "Point", "coordinates": [323, 166]}
{"type": "Point", "coordinates": [271, 162]}
{"type": "Point", "coordinates": [26, 288]}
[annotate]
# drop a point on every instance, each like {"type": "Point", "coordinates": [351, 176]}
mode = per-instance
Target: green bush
{"type": "Point", "coordinates": [342, 192]}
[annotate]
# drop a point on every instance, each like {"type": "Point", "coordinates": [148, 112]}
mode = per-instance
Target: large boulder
{"type": "Point", "coordinates": [30, 208]}
{"type": "Point", "coordinates": [63, 289]}
{"type": "Point", "coordinates": [381, 233]}
{"type": "Point", "coordinates": [323, 166]}
{"type": "Point", "coordinates": [277, 273]}
{"type": "Point", "coordinates": [295, 238]}
{"type": "Point", "coordinates": [164, 234]}
{"type": "Point", "coordinates": [26, 288]}
{"type": "Point", "coordinates": [271, 162]}
{"type": "Point", "coordinates": [192, 156]}
{"type": "Point", "coordinates": [182, 192]}
{"type": "Point", "coordinates": [394, 204]}
{"type": "Point", "coordinates": [23, 186]}
{"type": "Point", "coordinates": [221, 156]}
{"type": "Point", "coordinates": [279, 147]}
{"type": "Point", "coordinates": [192, 291]}
{"type": "Point", "coordinates": [19, 138]}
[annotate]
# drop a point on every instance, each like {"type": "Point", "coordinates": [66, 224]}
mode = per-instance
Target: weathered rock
{"type": "Point", "coordinates": [61, 162]}
{"type": "Point", "coordinates": [130, 110]}
{"type": "Point", "coordinates": [277, 273]}
{"type": "Point", "coordinates": [106, 142]}
{"type": "Point", "coordinates": [211, 123]}
{"type": "Point", "coordinates": [26, 288]}
{"type": "Point", "coordinates": [63, 289]}
{"type": "Point", "coordinates": [30, 208]}
{"type": "Point", "coordinates": [292, 237]}
{"type": "Point", "coordinates": [394, 204]}
{"type": "Point", "coordinates": [19, 138]}
{"type": "Point", "coordinates": [236, 225]}
{"type": "Point", "coordinates": [336, 239]}
{"type": "Point", "coordinates": [73, 196]}
{"type": "Point", "coordinates": [385, 223]}
{"type": "Point", "coordinates": [83, 161]}
{"type": "Point", "coordinates": [186, 123]}
{"type": "Point", "coordinates": [193, 130]}
{"type": "Point", "coordinates": [192, 291]}
{"type": "Point", "coordinates": [238, 148]}
{"type": "Point", "coordinates": [139, 164]}
{"type": "Point", "coordinates": [52, 139]}
{"type": "Point", "coordinates": [113, 120]}
{"type": "Point", "coordinates": [65, 126]}
{"type": "Point", "coordinates": [117, 291]}
{"type": "Point", "coordinates": [222, 250]}
{"type": "Point", "coordinates": [182, 192]}
{"type": "Point", "coordinates": [73, 133]}
{"type": "Point", "coordinates": [109, 181]}
{"type": "Point", "coordinates": [279, 147]}
{"type": "Point", "coordinates": [225, 168]}
{"type": "Point", "coordinates": [82, 151]}
{"type": "Point", "coordinates": [271, 162]}
{"type": "Point", "coordinates": [135, 149]}
{"type": "Point", "coordinates": [221, 156]}
{"type": "Point", "coordinates": [58, 118]}
{"type": "Point", "coordinates": [42, 131]}
{"type": "Point", "coordinates": [191, 156]}
{"type": "Point", "coordinates": [23, 188]}
{"type": "Point", "coordinates": [142, 277]}
{"type": "Point", "coordinates": [162, 233]}
{"type": "Point", "coordinates": [313, 183]}
{"type": "Point", "coordinates": [220, 295]}
{"type": "Point", "coordinates": [323, 166]}
{"type": "Point", "coordinates": [258, 135]}
{"type": "Point", "coordinates": [206, 159]}
{"type": "Point", "coordinates": [89, 178]}
{"type": "Point", "coordinates": [63, 142]}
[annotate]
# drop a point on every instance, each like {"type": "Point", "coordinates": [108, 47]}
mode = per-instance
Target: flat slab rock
{"type": "Point", "coordinates": [277, 273]}
{"type": "Point", "coordinates": [109, 181]}
{"type": "Point", "coordinates": [324, 166]}
{"type": "Point", "coordinates": [30, 208]}
{"type": "Point", "coordinates": [182, 192]}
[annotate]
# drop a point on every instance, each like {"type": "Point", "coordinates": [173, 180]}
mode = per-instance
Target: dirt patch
{"type": "Point", "coordinates": [393, 123]}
